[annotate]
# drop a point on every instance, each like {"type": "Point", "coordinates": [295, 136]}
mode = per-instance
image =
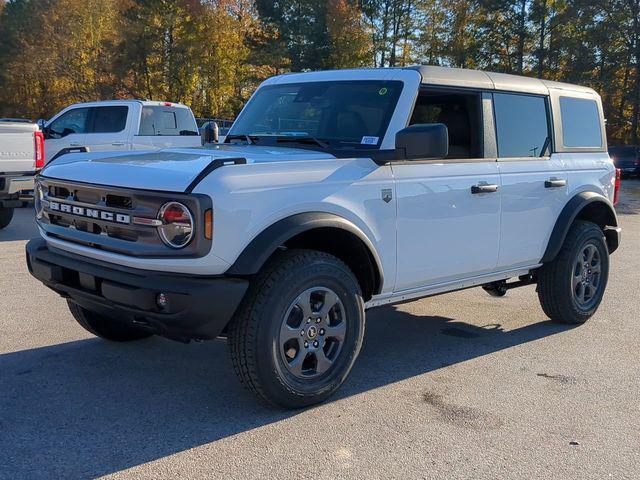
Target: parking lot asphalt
{"type": "Point", "coordinates": [462, 385]}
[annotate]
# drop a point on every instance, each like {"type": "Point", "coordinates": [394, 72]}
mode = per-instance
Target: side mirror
{"type": "Point", "coordinates": [429, 140]}
{"type": "Point", "coordinates": [42, 124]}
{"type": "Point", "coordinates": [210, 133]}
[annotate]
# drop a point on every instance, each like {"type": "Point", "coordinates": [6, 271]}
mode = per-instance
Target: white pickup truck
{"type": "Point", "coordinates": [118, 125]}
{"type": "Point", "coordinates": [335, 192]}
{"type": "Point", "coordinates": [21, 155]}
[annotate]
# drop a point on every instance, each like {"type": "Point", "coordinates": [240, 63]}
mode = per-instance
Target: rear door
{"type": "Point", "coordinates": [108, 128]}
{"type": "Point", "coordinates": [534, 182]}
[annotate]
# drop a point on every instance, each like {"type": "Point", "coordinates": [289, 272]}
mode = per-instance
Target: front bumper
{"type": "Point", "coordinates": [197, 307]}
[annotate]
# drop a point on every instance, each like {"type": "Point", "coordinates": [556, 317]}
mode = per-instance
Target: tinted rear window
{"type": "Point", "coordinates": [109, 119]}
{"type": "Point", "coordinates": [522, 126]}
{"type": "Point", "coordinates": [580, 123]}
{"type": "Point", "coordinates": [167, 121]}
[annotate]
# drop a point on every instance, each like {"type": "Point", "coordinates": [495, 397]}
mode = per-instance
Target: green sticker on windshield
{"type": "Point", "coordinates": [382, 91]}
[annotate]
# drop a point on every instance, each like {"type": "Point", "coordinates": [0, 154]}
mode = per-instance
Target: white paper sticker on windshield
{"type": "Point", "coordinates": [369, 140]}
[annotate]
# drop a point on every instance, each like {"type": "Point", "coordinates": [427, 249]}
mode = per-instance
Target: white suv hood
{"type": "Point", "coordinates": [170, 170]}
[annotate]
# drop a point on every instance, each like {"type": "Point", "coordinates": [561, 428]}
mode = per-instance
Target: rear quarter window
{"type": "Point", "coordinates": [581, 126]}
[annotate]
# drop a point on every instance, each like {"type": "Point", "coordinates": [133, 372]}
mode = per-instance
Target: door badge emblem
{"type": "Point", "coordinates": [387, 195]}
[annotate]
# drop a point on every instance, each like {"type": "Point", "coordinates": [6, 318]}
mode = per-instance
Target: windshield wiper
{"type": "Point", "coordinates": [242, 136]}
{"type": "Point", "coordinates": [307, 139]}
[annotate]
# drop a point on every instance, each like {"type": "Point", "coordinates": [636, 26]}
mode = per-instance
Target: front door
{"type": "Point", "coordinates": [66, 131]}
{"type": "Point", "coordinates": [448, 211]}
{"type": "Point", "coordinates": [448, 228]}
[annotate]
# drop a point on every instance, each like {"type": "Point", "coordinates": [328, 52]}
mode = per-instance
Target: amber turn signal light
{"type": "Point", "coordinates": [208, 224]}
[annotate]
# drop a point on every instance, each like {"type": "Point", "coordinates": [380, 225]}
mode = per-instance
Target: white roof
{"type": "Point", "coordinates": [492, 81]}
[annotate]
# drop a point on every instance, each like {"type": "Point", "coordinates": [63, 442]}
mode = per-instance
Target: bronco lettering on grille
{"type": "Point", "coordinates": [90, 213]}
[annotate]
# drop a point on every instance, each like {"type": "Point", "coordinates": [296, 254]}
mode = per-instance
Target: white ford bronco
{"type": "Point", "coordinates": [335, 192]}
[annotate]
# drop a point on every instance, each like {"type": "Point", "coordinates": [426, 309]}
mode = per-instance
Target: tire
{"type": "Point", "coordinates": [6, 215]}
{"type": "Point", "coordinates": [563, 293]}
{"type": "Point", "coordinates": [280, 336]}
{"type": "Point", "coordinates": [104, 327]}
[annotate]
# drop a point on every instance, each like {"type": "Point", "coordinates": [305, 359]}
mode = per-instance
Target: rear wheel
{"type": "Point", "coordinates": [105, 327]}
{"type": "Point", "coordinates": [571, 287]}
{"type": "Point", "coordinates": [6, 215]}
{"type": "Point", "coordinates": [297, 335]}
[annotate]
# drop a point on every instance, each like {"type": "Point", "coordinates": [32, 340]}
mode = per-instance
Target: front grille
{"type": "Point", "coordinates": [78, 218]}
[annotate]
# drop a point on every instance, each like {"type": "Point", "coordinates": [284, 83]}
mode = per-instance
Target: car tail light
{"type": "Point", "coordinates": [177, 225]}
{"type": "Point", "coordinates": [38, 138]}
{"type": "Point", "coordinates": [616, 188]}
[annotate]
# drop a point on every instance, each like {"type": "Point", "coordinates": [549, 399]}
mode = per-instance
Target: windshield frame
{"type": "Point", "coordinates": [332, 143]}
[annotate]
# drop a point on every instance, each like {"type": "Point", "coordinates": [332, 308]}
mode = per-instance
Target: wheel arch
{"type": "Point", "coordinates": [321, 231]}
{"type": "Point", "coordinates": [589, 206]}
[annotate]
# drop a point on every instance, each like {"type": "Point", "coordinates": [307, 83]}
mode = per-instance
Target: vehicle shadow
{"type": "Point", "coordinates": [89, 408]}
{"type": "Point", "coordinates": [22, 227]}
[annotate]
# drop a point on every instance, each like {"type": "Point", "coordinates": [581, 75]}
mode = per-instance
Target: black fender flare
{"type": "Point", "coordinates": [270, 239]}
{"type": "Point", "coordinates": [570, 212]}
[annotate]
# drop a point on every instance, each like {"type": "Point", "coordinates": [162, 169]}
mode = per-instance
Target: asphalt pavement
{"type": "Point", "coordinates": [462, 385]}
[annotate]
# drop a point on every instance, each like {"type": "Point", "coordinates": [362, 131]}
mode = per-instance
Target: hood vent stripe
{"type": "Point", "coordinates": [215, 164]}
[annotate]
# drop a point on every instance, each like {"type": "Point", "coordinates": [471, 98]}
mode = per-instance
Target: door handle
{"type": "Point", "coordinates": [555, 183]}
{"type": "Point", "coordinates": [483, 188]}
{"type": "Point", "coordinates": [118, 144]}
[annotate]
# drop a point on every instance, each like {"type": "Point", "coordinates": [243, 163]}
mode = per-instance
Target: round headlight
{"type": "Point", "coordinates": [38, 200]}
{"type": "Point", "coordinates": [177, 225]}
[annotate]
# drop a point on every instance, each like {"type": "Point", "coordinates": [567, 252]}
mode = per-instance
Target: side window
{"type": "Point", "coordinates": [109, 119]}
{"type": "Point", "coordinates": [72, 121]}
{"type": "Point", "coordinates": [522, 125]}
{"type": "Point", "coordinates": [580, 123]}
{"type": "Point", "coordinates": [460, 112]}
{"type": "Point", "coordinates": [166, 121]}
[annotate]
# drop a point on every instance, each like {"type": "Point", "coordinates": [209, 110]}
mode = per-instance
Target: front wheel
{"type": "Point", "coordinates": [6, 215]}
{"type": "Point", "coordinates": [105, 327]}
{"type": "Point", "coordinates": [299, 330]}
{"type": "Point", "coordinates": [571, 286]}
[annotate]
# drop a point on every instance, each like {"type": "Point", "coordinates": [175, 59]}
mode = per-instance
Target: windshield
{"type": "Point", "coordinates": [340, 114]}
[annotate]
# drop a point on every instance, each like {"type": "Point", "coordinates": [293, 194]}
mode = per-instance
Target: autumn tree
{"type": "Point", "coordinates": [45, 65]}
{"type": "Point", "coordinates": [349, 43]}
